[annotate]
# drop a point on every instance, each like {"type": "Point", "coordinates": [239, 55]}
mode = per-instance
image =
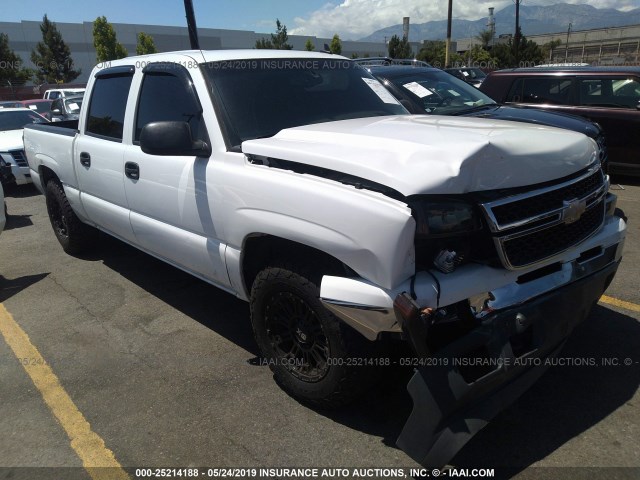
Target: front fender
{"type": "Point", "coordinates": [370, 233]}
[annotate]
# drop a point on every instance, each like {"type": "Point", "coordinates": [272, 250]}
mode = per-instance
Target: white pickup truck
{"type": "Point", "coordinates": [294, 181]}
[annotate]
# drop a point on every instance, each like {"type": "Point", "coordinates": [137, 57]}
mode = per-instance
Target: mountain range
{"type": "Point", "coordinates": [534, 20]}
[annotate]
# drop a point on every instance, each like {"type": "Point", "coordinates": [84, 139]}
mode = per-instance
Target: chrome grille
{"type": "Point", "coordinates": [530, 227]}
{"type": "Point", "coordinates": [19, 157]}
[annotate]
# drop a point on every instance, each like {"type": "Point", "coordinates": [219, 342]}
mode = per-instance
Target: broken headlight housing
{"type": "Point", "coordinates": [446, 217]}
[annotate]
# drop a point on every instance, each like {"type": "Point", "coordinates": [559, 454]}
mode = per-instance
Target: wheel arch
{"type": "Point", "coordinates": [47, 174]}
{"type": "Point", "coordinates": [260, 250]}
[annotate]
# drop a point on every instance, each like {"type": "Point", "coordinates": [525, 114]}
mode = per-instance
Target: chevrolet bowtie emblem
{"type": "Point", "coordinates": [572, 210]}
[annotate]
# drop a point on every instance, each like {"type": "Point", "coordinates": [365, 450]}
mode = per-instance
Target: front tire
{"type": "Point", "coordinates": [74, 236]}
{"type": "Point", "coordinates": [312, 355]}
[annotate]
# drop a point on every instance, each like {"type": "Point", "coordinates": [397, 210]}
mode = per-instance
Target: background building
{"type": "Point", "coordinates": [23, 37]}
{"type": "Point", "coordinates": [599, 46]}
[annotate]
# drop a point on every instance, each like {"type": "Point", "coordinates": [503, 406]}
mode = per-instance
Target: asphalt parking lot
{"type": "Point", "coordinates": [161, 368]}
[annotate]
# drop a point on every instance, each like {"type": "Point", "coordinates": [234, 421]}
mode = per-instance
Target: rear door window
{"type": "Point", "coordinates": [108, 104]}
{"type": "Point", "coordinates": [610, 92]}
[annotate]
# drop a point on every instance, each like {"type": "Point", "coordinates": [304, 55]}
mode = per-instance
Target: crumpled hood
{"type": "Point", "coordinates": [418, 154]}
{"type": "Point", "coordinates": [11, 140]}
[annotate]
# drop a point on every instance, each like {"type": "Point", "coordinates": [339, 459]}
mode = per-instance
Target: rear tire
{"type": "Point", "coordinates": [312, 355]}
{"type": "Point", "coordinates": [74, 236]}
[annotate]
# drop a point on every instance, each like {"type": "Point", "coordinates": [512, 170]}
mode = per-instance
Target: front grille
{"type": "Point", "coordinates": [528, 249]}
{"type": "Point", "coordinates": [530, 227]}
{"type": "Point", "coordinates": [539, 204]}
{"type": "Point", "coordinates": [19, 157]}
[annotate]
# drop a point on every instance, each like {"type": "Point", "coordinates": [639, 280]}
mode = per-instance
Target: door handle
{"type": "Point", "coordinates": [85, 159]}
{"type": "Point", "coordinates": [132, 170]}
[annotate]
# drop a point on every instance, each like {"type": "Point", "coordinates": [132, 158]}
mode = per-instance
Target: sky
{"type": "Point", "coordinates": [351, 19]}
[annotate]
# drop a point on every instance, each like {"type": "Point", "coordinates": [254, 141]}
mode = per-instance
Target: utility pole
{"type": "Point", "coordinates": [566, 48]}
{"type": "Point", "coordinates": [448, 45]}
{"type": "Point", "coordinates": [191, 25]}
{"type": "Point", "coordinates": [516, 37]}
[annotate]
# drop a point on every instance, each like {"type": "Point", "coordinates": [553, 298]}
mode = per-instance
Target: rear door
{"type": "Point", "coordinates": [614, 103]}
{"type": "Point", "coordinates": [99, 152]}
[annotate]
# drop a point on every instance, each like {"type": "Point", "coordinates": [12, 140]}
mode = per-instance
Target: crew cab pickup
{"type": "Point", "coordinates": [296, 182]}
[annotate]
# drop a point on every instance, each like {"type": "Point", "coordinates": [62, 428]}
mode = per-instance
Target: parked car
{"type": "Point", "coordinates": [472, 75]}
{"type": "Point", "coordinates": [39, 105]}
{"type": "Point", "coordinates": [302, 186]}
{"type": "Point", "coordinates": [54, 93]}
{"type": "Point", "coordinates": [12, 122]}
{"type": "Point", "coordinates": [67, 108]}
{"type": "Point", "coordinates": [6, 177]}
{"type": "Point", "coordinates": [42, 106]}
{"type": "Point", "coordinates": [609, 96]}
{"type": "Point", "coordinates": [434, 92]}
{"type": "Point", "coordinates": [10, 104]}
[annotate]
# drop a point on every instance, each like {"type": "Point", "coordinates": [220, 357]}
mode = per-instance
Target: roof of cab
{"type": "Point", "coordinates": [205, 56]}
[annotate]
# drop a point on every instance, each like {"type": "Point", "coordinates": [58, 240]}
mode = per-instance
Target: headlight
{"type": "Point", "coordinates": [444, 218]}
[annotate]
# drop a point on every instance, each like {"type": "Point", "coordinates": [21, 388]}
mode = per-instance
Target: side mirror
{"type": "Point", "coordinates": [171, 138]}
{"type": "Point", "coordinates": [56, 111]}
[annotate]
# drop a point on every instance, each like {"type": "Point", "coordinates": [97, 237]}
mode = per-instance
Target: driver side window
{"type": "Point", "coordinates": [165, 97]}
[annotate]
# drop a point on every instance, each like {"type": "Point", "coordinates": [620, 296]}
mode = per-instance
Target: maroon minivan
{"type": "Point", "coordinates": [609, 96]}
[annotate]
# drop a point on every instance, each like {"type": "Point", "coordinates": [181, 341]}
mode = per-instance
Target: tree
{"type": "Point", "coordinates": [336, 45]}
{"type": "Point", "coordinates": [13, 71]}
{"type": "Point", "coordinates": [105, 41]}
{"type": "Point", "coordinates": [52, 56]}
{"type": "Point", "coordinates": [145, 44]}
{"type": "Point", "coordinates": [550, 47]}
{"type": "Point", "coordinates": [399, 48]}
{"type": "Point", "coordinates": [433, 52]}
{"type": "Point", "coordinates": [309, 46]}
{"type": "Point", "coordinates": [355, 55]}
{"type": "Point", "coordinates": [529, 53]}
{"type": "Point", "coordinates": [278, 40]}
{"type": "Point", "coordinates": [485, 37]}
{"type": "Point", "coordinates": [479, 57]}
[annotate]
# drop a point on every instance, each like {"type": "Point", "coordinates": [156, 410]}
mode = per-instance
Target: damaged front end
{"type": "Point", "coordinates": [483, 331]}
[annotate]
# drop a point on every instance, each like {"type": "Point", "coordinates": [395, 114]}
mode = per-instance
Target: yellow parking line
{"type": "Point", "coordinates": [620, 303]}
{"type": "Point", "coordinates": [86, 443]}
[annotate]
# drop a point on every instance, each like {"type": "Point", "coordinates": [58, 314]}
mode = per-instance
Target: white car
{"type": "Point", "coordinates": [12, 122]}
{"type": "Point", "coordinates": [54, 93]}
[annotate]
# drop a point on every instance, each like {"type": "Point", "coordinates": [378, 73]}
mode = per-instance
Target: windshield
{"type": "Point", "coordinates": [73, 105]}
{"type": "Point", "coordinates": [18, 119]}
{"type": "Point", "coordinates": [439, 93]}
{"type": "Point", "coordinates": [474, 73]}
{"type": "Point", "coordinates": [258, 98]}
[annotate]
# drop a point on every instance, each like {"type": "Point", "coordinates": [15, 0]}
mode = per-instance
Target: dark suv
{"type": "Point", "coordinates": [606, 95]}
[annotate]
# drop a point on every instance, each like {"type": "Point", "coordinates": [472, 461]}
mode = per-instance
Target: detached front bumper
{"type": "Point", "coordinates": [511, 348]}
{"type": "Point", "coordinates": [526, 318]}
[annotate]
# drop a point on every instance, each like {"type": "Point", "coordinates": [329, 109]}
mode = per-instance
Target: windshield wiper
{"type": "Point", "coordinates": [477, 108]}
